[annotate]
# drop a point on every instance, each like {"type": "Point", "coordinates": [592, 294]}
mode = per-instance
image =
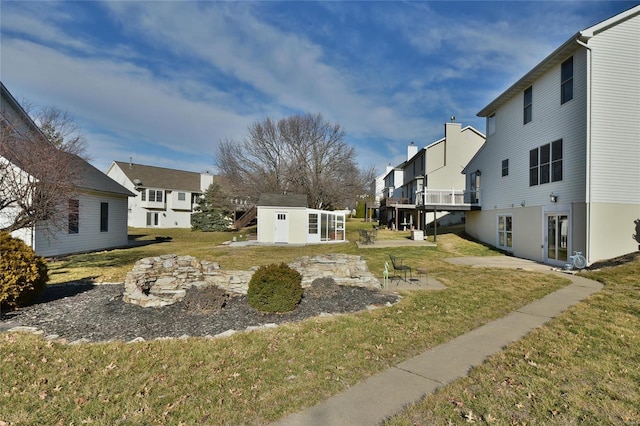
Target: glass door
{"type": "Point", "coordinates": [557, 238]}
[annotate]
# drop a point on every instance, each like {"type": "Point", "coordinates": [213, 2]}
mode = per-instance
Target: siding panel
{"type": "Point", "coordinates": [616, 114]}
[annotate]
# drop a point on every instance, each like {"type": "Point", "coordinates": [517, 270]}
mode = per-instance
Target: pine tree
{"type": "Point", "coordinates": [213, 212]}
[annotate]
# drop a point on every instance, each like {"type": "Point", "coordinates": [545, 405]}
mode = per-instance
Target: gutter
{"type": "Point", "coordinates": [588, 165]}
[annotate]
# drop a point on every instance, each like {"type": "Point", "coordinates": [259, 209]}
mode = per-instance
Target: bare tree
{"type": "Point", "coordinates": [59, 127]}
{"type": "Point", "coordinates": [37, 177]}
{"type": "Point", "coordinates": [299, 154]}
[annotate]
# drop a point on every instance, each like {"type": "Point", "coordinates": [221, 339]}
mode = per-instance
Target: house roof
{"type": "Point", "coordinates": [89, 178]}
{"type": "Point", "coordinates": [161, 177]}
{"type": "Point", "coordinates": [92, 179]}
{"type": "Point", "coordinates": [282, 200]}
{"type": "Point", "coordinates": [555, 58]}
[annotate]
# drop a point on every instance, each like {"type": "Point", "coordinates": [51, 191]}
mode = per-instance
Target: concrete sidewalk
{"type": "Point", "coordinates": [387, 393]}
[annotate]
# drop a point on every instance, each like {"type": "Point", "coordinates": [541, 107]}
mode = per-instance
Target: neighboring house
{"type": "Point", "coordinates": [97, 212]}
{"type": "Point", "coordinates": [165, 198]}
{"type": "Point", "coordinates": [430, 181]}
{"type": "Point", "coordinates": [560, 171]}
{"type": "Point", "coordinates": [377, 188]}
{"type": "Point", "coordinates": [285, 219]}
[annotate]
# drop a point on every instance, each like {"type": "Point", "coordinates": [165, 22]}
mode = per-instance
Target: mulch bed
{"type": "Point", "coordinates": [97, 312]}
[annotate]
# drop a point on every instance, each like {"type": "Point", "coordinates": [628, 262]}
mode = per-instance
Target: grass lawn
{"type": "Point", "coordinates": [258, 377]}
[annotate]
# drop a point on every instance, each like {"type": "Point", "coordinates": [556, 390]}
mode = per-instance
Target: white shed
{"type": "Point", "coordinates": [285, 219]}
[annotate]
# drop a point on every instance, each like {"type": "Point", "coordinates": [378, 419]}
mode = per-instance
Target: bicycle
{"type": "Point", "coordinates": [578, 260]}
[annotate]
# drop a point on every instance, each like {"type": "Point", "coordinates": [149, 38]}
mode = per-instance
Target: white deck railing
{"type": "Point", "coordinates": [447, 197]}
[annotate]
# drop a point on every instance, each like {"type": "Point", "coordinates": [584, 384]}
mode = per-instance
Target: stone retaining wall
{"type": "Point", "coordinates": [164, 280]}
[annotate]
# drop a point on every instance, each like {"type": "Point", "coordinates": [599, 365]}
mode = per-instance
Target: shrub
{"type": "Point", "coordinates": [275, 288]}
{"type": "Point", "coordinates": [23, 274]}
{"type": "Point", "coordinates": [205, 300]}
{"type": "Point", "coordinates": [323, 288]}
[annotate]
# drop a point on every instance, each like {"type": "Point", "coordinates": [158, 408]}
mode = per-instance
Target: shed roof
{"type": "Point", "coordinates": [282, 200]}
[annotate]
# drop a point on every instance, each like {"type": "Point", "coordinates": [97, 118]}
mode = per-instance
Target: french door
{"type": "Point", "coordinates": [557, 238]}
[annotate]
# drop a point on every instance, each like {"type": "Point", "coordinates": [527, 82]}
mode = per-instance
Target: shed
{"type": "Point", "coordinates": [286, 219]}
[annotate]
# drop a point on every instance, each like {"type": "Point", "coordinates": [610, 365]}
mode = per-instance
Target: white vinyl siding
{"type": "Point", "coordinates": [89, 237]}
{"type": "Point", "coordinates": [615, 155]}
{"type": "Point", "coordinates": [514, 141]}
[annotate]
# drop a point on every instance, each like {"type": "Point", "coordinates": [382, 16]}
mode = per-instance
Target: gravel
{"type": "Point", "coordinates": [97, 313]}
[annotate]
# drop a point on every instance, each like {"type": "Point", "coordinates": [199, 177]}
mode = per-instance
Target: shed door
{"type": "Point", "coordinates": [281, 231]}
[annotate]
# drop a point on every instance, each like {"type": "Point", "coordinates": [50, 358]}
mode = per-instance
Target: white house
{"type": "Point", "coordinates": [285, 219]}
{"type": "Point", "coordinates": [165, 198]}
{"type": "Point", "coordinates": [560, 171]}
{"type": "Point", "coordinates": [97, 215]}
{"type": "Point", "coordinates": [429, 184]}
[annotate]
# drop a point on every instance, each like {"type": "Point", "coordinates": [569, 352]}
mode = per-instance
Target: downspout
{"type": "Point", "coordinates": [588, 165]}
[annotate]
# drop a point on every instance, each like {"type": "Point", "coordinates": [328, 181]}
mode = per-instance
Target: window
{"type": "Point", "coordinates": [505, 167]}
{"type": "Point", "coordinates": [155, 196]}
{"type": "Point", "coordinates": [313, 223]}
{"type": "Point", "coordinates": [143, 195]}
{"type": "Point", "coordinates": [491, 124]}
{"type": "Point", "coordinates": [74, 216]}
{"type": "Point", "coordinates": [152, 219]}
{"type": "Point", "coordinates": [545, 163]}
{"type": "Point", "coordinates": [566, 84]}
{"type": "Point", "coordinates": [104, 217]}
{"type": "Point", "coordinates": [528, 101]}
{"type": "Point", "coordinates": [505, 232]}
{"type": "Point", "coordinates": [181, 196]}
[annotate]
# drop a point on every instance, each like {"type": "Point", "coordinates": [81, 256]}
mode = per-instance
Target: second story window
{"type": "Point", "coordinates": [528, 105]}
{"type": "Point", "coordinates": [566, 85]}
{"type": "Point", "coordinates": [155, 196]}
{"type": "Point", "coordinates": [505, 167]}
{"type": "Point", "coordinates": [545, 164]}
{"type": "Point", "coordinates": [181, 196]}
{"type": "Point", "coordinates": [491, 124]}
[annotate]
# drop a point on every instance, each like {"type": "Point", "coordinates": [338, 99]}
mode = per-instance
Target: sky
{"type": "Point", "coordinates": [163, 82]}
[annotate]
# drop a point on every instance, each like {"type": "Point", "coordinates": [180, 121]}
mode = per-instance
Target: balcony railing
{"type": "Point", "coordinates": [447, 197]}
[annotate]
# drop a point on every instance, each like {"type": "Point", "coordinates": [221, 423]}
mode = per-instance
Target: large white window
{"type": "Point", "coordinates": [505, 232]}
{"type": "Point", "coordinates": [545, 164]}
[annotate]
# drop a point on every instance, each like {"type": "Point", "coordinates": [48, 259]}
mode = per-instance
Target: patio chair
{"type": "Point", "coordinates": [398, 266]}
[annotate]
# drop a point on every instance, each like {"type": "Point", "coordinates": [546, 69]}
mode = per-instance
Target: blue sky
{"type": "Point", "coordinates": [164, 82]}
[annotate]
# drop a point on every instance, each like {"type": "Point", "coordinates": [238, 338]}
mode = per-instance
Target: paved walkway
{"type": "Point", "coordinates": [387, 393]}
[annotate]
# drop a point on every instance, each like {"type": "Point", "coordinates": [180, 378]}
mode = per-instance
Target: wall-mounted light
{"type": "Point", "coordinates": [522, 203]}
{"type": "Point", "coordinates": [553, 197]}
{"type": "Point", "coordinates": [478, 172]}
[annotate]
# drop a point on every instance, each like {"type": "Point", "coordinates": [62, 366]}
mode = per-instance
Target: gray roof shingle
{"type": "Point", "coordinates": [161, 177]}
{"type": "Point", "coordinates": [283, 200]}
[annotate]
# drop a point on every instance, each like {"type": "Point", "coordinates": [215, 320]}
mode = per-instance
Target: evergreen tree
{"type": "Point", "coordinates": [213, 212]}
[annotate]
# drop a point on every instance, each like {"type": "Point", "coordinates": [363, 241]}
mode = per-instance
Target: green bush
{"type": "Point", "coordinates": [275, 288]}
{"type": "Point", "coordinates": [23, 274]}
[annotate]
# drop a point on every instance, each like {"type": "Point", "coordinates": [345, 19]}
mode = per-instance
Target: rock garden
{"type": "Point", "coordinates": [180, 296]}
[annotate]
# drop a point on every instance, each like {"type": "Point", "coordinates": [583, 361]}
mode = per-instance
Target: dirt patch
{"type": "Point", "coordinates": [98, 313]}
{"type": "Point", "coordinates": [621, 260]}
